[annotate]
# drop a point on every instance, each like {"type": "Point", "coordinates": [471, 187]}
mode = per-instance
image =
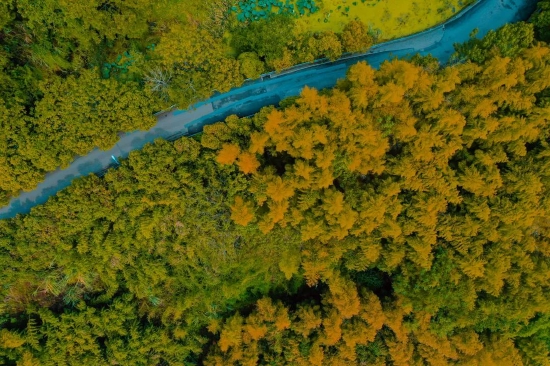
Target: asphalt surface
{"type": "Point", "coordinates": [271, 89]}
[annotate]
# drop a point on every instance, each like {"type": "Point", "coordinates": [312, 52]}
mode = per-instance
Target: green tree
{"type": "Point", "coordinates": [266, 37]}
{"type": "Point", "coordinates": [506, 41]}
{"type": "Point", "coordinates": [355, 37]}
{"type": "Point", "coordinates": [541, 21]}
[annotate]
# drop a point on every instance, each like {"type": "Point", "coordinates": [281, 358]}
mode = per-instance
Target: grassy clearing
{"type": "Point", "coordinates": [394, 18]}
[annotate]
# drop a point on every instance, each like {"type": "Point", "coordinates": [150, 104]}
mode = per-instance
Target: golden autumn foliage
{"type": "Point", "coordinates": [230, 335]}
{"type": "Point", "coordinates": [228, 154]}
{"type": "Point", "coordinates": [413, 170]}
{"type": "Point", "coordinates": [241, 212]}
{"type": "Point", "coordinates": [248, 163]}
{"type": "Point", "coordinates": [279, 190]}
{"type": "Point", "coordinates": [10, 339]}
{"type": "Point", "coordinates": [344, 297]}
{"type": "Point", "coordinates": [401, 218]}
{"type": "Point", "coordinates": [327, 333]}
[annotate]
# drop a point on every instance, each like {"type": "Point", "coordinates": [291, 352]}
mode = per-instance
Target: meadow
{"type": "Point", "coordinates": [394, 18]}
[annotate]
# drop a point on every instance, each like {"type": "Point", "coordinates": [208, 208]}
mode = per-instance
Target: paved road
{"type": "Point", "coordinates": [248, 99]}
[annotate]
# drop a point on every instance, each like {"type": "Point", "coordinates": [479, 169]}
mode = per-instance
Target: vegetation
{"type": "Point", "coordinates": [541, 20]}
{"type": "Point", "coordinates": [507, 41]}
{"type": "Point", "coordinates": [393, 18]}
{"type": "Point", "coordinates": [74, 75]}
{"type": "Point", "coordinates": [400, 218]}
{"type": "Point", "coordinates": [252, 10]}
{"type": "Point", "coordinates": [116, 62]}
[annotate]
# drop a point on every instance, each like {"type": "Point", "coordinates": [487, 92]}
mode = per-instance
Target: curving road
{"type": "Point", "coordinates": [272, 88]}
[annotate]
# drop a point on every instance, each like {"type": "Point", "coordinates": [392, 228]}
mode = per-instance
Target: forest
{"type": "Point", "coordinates": [74, 75]}
{"type": "Point", "coordinates": [400, 218]}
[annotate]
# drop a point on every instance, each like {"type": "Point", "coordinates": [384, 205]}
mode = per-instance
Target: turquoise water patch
{"type": "Point", "coordinates": [251, 10]}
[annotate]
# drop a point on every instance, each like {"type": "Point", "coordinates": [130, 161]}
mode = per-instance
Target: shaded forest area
{"type": "Point", "coordinates": [75, 74]}
{"type": "Point", "coordinates": [401, 218]}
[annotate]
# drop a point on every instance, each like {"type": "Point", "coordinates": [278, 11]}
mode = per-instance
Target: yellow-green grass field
{"type": "Point", "coordinates": [394, 18]}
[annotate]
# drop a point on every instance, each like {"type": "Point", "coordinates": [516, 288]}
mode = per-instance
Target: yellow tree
{"type": "Point", "coordinates": [228, 154]}
{"type": "Point", "coordinates": [242, 212]}
{"type": "Point", "coordinates": [247, 163]}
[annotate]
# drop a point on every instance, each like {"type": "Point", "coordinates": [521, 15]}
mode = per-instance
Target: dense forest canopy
{"type": "Point", "coordinates": [541, 20]}
{"type": "Point", "coordinates": [401, 218]}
